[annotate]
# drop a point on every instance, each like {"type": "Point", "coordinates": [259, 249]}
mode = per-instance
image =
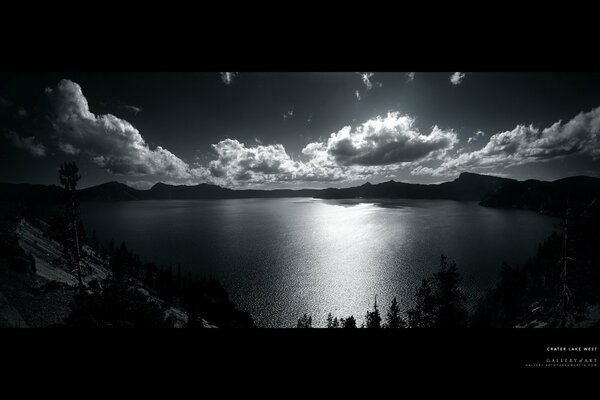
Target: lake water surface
{"type": "Point", "coordinates": [280, 258]}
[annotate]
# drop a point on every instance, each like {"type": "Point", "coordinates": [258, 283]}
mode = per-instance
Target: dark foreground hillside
{"type": "Point", "coordinates": [550, 198]}
{"type": "Point", "coordinates": [39, 289]}
{"type": "Point", "coordinates": [559, 285]}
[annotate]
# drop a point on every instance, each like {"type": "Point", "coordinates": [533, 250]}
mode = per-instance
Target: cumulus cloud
{"type": "Point", "coordinates": [527, 144]}
{"type": "Point", "coordinates": [357, 94]}
{"type": "Point", "coordinates": [410, 76]}
{"type": "Point", "coordinates": [378, 146]}
{"type": "Point", "coordinates": [111, 142]}
{"type": "Point", "coordinates": [228, 77]}
{"type": "Point", "coordinates": [28, 144]}
{"type": "Point", "coordinates": [385, 140]}
{"type": "Point", "coordinates": [238, 163]}
{"type": "Point", "coordinates": [457, 78]}
{"type": "Point", "coordinates": [477, 135]}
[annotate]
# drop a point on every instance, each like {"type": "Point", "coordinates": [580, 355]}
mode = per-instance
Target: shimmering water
{"type": "Point", "coordinates": [279, 258]}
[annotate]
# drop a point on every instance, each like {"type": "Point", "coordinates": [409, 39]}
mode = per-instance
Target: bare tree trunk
{"type": "Point", "coordinates": [78, 256]}
{"type": "Point", "coordinates": [565, 292]}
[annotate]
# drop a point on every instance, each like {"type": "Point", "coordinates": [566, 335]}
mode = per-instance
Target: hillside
{"type": "Point", "coordinates": [551, 198]}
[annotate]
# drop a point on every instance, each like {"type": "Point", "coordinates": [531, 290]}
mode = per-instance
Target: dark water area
{"type": "Point", "coordinates": [280, 258]}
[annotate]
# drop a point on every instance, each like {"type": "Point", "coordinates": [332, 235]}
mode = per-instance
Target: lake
{"type": "Point", "coordinates": [280, 258]}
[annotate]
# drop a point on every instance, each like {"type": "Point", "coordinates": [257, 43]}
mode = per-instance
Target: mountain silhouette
{"type": "Point", "coordinates": [491, 191]}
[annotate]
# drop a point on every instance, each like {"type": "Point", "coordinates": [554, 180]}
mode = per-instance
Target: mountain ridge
{"type": "Point", "coordinates": [489, 190]}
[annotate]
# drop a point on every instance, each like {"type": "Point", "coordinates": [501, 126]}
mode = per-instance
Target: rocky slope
{"type": "Point", "coordinates": [40, 293]}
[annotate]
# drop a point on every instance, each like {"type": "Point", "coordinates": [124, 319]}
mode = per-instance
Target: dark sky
{"type": "Point", "coordinates": [301, 129]}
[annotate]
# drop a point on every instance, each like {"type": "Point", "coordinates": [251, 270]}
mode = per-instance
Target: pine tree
{"type": "Point", "coordinates": [440, 302]}
{"type": "Point", "coordinates": [422, 316]}
{"type": "Point", "coordinates": [68, 174]}
{"type": "Point", "coordinates": [332, 322]}
{"type": "Point", "coordinates": [451, 302]}
{"type": "Point", "coordinates": [393, 319]}
{"type": "Point", "coordinates": [373, 319]}
{"type": "Point", "coordinates": [304, 322]}
{"type": "Point", "coordinates": [565, 292]}
{"type": "Point", "coordinates": [348, 323]}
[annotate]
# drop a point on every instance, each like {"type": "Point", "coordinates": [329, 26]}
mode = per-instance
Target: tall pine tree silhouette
{"type": "Point", "coordinates": [373, 319]}
{"type": "Point", "coordinates": [393, 319]}
{"type": "Point", "coordinates": [440, 302]}
{"type": "Point", "coordinates": [69, 176]}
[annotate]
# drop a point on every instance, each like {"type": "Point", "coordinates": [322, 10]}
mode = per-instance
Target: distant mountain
{"type": "Point", "coordinates": [551, 198]}
{"type": "Point", "coordinates": [491, 191]}
{"type": "Point", "coordinates": [467, 186]}
{"type": "Point", "coordinates": [111, 191]}
{"type": "Point", "coordinates": [162, 191]}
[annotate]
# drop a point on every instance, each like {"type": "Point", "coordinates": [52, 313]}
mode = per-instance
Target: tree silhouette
{"type": "Point", "coordinates": [304, 322]}
{"type": "Point", "coordinates": [422, 316]}
{"type": "Point", "coordinates": [68, 174]}
{"type": "Point", "coordinates": [332, 322]}
{"type": "Point", "coordinates": [373, 319]}
{"type": "Point", "coordinates": [393, 319]}
{"type": "Point", "coordinates": [349, 323]}
{"type": "Point", "coordinates": [565, 292]}
{"type": "Point", "coordinates": [451, 301]}
{"type": "Point", "coordinates": [440, 302]}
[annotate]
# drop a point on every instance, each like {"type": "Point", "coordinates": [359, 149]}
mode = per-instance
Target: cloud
{"type": "Point", "coordinates": [357, 94]}
{"type": "Point", "coordinates": [228, 77]}
{"type": "Point", "coordinates": [457, 78]}
{"type": "Point", "coordinates": [378, 146]}
{"type": "Point", "coordinates": [112, 143]}
{"type": "Point", "coordinates": [309, 120]}
{"type": "Point", "coordinates": [366, 79]}
{"type": "Point", "coordinates": [385, 140]}
{"type": "Point", "coordinates": [140, 185]}
{"type": "Point", "coordinates": [257, 164]}
{"type": "Point", "coordinates": [477, 135]}
{"type": "Point", "coordinates": [410, 76]}
{"type": "Point", "coordinates": [527, 144]}
{"type": "Point", "coordinates": [28, 144]}
{"type": "Point", "coordinates": [289, 113]}
{"type": "Point", "coordinates": [68, 149]}
{"type": "Point", "coordinates": [133, 109]}
{"type": "Point", "coordinates": [238, 163]}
